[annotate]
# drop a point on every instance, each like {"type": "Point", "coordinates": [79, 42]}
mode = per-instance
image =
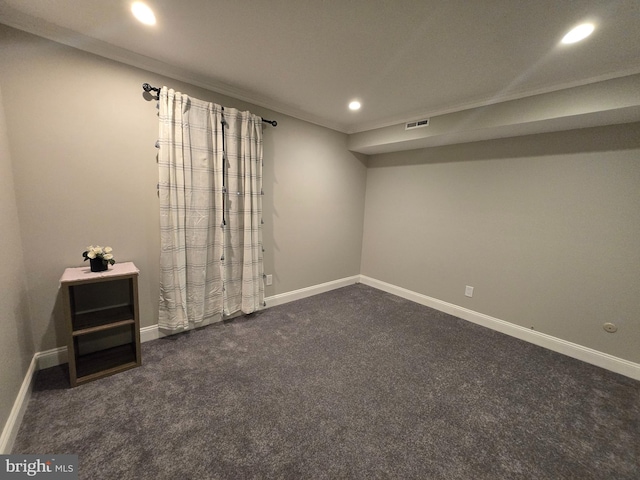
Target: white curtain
{"type": "Point", "coordinates": [243, 265]}
{"type": "Point", "coordinates": [210, 211]}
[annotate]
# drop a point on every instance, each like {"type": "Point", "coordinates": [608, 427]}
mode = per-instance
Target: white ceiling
{"type": "Point", "coordinates": [403, 59]}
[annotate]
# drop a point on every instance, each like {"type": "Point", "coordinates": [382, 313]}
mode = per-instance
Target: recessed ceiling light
{"type": "Point", "coordinates": [355, 105]}
{"type": "Point", "coordinates": [578, 33]}
{"type": "Point", "coordinates": [143, 13]}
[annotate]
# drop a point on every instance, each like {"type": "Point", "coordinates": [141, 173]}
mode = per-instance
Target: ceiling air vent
{"type": "Point", "coordinates": [417, 124]}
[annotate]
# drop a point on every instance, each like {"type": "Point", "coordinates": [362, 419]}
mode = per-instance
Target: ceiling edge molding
{"type": "Point", "coordinates": [420, 114]}
{"type": "Point", "coordinates": [87, 44]}
{"type": "Point", "coordinates": [19, 20]}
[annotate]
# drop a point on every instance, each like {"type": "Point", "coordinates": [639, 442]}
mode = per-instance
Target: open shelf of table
{"type": "Point", "coordinates": [88, 322]}
{"type": "Point", "coordinates": [105, 362]}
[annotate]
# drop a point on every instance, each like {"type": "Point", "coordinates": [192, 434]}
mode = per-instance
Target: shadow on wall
{"type": "Point", "coordinates": [57, 322]}
{"type": "Point", "coordinates": [595, 139]}
{"type": "Point", "coordinates": [25, 330]}
{"type": "Point", "coordinates": [362, 158]}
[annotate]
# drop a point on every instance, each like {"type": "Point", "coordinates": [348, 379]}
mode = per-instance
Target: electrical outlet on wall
{"type": "Point", "coordinates": [269, 280]}
{"type": "Point", "coordinates": [468, 291]}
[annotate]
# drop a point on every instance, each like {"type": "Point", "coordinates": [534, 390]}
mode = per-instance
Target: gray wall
{"type": "Point", "coordinates": [546, 228]}
{"type": "Point", "coordinates": [16, 345]}
{"type": "Point", "coordinates": [82, 142]}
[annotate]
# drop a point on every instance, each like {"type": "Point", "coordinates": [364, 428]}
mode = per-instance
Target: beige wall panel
{"type": "Point", "coordinates": [85, 171]}
{"type": "Point", "coordinates": [16, 344]}
{"type": "Point", "coordinates": [546, 228]}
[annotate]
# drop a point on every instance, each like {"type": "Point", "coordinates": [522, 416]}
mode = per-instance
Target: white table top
{"type": "Point", "coordinates": [84, 273]}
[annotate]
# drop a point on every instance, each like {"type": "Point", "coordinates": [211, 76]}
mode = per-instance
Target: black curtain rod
{"type": "Point", "coordinates": [148, 88]}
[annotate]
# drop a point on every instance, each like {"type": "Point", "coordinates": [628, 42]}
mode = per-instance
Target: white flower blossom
{"type": "Point", "coordinates": [96, 251]}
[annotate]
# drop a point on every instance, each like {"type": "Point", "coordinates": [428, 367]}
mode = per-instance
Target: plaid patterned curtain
{"type": "Point", "coordinates": [243, 263]}
{"type": "Point", "coordinates": [210, 211]}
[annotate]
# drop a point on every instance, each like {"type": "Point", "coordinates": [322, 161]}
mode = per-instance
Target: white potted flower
{"type": "Point", "coordinates": [99, 257]}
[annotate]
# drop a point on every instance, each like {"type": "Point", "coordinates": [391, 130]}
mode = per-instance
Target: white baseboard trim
{"type": "Point", "coordinates": [283, 298]}
{"type": "Point", "coordinates": [153, 332]}
{"type": "Point", "coordinates": [579, 352]}
{"type": "Point", "coordinates": [12, 425]}
{"type": "Point", "coordinates": [58, 356]}
{"type": "Point", "coordinates": [51, 358]}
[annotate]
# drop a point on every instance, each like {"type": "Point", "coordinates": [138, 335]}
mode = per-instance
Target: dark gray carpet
{"type": "Point", "coordinates": [354, 383]}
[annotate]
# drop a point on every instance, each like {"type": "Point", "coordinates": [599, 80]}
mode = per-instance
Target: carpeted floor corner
{"type": "Point", "coordinates": [354, 383]}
